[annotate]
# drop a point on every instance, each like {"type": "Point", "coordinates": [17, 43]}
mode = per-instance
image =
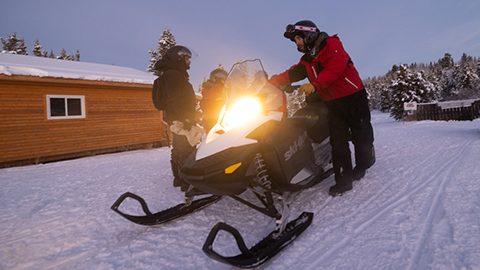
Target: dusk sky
{"type": "Point", "coordinates": [377, 34]}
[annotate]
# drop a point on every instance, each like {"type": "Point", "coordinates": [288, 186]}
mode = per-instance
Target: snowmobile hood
{"type": "Point", "coordinates": [218, 139]}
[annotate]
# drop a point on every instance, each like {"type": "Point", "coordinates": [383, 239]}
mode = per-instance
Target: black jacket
{"type": "Point", "coordinates": [180, 96]}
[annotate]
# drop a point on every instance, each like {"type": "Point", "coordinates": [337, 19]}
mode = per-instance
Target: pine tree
{"type": "Point", "coordinates": [376, 88]}
{"type": "Point", "coordinates": [63, 55]}
{"type": "Point", "coordinates": [37, 49]}
{"type": "Point", "coordinates": [77, 56]}
{"type": "Point", "coordinates": [478, 66]}
{"type": "Point", "coordinates": [446, 61]}
{"type": "Point", "coordinates": [409, 87]}
{"type": "Point", "coordinates": [51, 54]}
{"type": "Point", "coordinates": [14, 45]}
{"type": "Point", "coordinates": [465, 79]}
{"type": "Point", "coordinates": [153, 60]}
{"type": "Point", "coordinates": [385, 100]}
{"type": "Point", "coordinates": [446, 83]}
{"type": "Point", "coordinates": [21, 48]}
{"type": "Point", "coordinates": [166, 41]}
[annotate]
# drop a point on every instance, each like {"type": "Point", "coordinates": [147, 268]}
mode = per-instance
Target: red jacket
{"type": "Point", "coordinates": [331, 72]}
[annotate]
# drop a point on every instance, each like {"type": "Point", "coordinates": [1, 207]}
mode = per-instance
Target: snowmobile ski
{"type": "Point", "coordinates": [166, 215]}
{"type": "Point", "coordinates": [263, 250]}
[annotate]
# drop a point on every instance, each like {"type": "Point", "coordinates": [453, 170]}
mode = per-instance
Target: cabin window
{"type": "Point", "coordinates": [65, 107]}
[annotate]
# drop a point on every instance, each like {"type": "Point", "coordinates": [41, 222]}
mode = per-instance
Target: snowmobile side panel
{"type": "Point", "coordinates": [263, 250]}
{"type": "Point", "coordinates": [288, 152]}
{"type": "Point", "coordinates": [208, 174]}
{"type": "Point", "coordinates": [166, 215]}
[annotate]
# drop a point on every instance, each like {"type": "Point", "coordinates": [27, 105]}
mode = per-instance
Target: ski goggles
{"type": "Point", "coordinates": [292, 30]}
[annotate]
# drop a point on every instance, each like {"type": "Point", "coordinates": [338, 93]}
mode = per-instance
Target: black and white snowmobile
{"type": "Point", "coordinates": [256, 148]}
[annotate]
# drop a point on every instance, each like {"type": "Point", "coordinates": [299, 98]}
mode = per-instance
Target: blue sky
{"type": "Point", "coordinates": [377, 34]}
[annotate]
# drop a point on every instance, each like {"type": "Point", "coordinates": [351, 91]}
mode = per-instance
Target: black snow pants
{"type": "Point", "coordinates": [181, 149]}
{"type": "Point", "coordinates": [349, 119]}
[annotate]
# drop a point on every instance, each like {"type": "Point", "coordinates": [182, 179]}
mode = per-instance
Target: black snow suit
{"type": "Point", "coordinates": [180, 103]}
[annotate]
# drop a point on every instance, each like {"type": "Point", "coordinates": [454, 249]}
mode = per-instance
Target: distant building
{"type": "Point", "coordinates": [54, 109]}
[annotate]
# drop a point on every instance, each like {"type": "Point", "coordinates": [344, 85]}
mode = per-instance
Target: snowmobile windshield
{"type": "Point", "coordinates": [248, 80]}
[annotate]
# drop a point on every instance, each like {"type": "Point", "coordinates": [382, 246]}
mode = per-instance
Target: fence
{"type": "Point", "coordinates": [450, 110]}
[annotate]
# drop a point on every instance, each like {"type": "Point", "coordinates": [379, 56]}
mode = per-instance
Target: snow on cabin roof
{"type": "Point", "coordinates": [12, 64]}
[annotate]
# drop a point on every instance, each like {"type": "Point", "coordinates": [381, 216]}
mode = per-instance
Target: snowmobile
{"type": "Point", "coordinates": [254, 147]}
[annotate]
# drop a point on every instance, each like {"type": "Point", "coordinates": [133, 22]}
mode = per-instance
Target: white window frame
{"type": "Point", "coordinates": [65, 97]}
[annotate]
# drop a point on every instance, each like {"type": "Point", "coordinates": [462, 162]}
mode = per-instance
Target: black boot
{"type": "Point", "coordinates": [358, 173]}
{"type": "Point", "coordinates": [339, 189]}
{"type": "Point", "coordinates": [343, 184]}
{"type": "Point", "coordinates": [365, 160]}
{"type": "Point", "coordinates": [177, 182]}
{"type": "Point", "coordinates": [176, 179]}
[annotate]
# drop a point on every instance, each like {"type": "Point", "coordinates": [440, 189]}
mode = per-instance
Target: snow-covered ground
{"type": "Point", "coordinates": [417, 208]}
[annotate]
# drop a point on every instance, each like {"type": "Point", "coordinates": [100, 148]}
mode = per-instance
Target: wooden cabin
{"type": "Point", "coordinates": [55, 109]}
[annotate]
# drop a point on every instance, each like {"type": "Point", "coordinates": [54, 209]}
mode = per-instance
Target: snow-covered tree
{"type": "Point", "coordinates": [63, 55]}
{"type": "Point", "coordinates": [21, 48]}
{"type": "Point", "coordinates": [14, 45]}
{"type": "Point", "coordinates": [446, 83]}
{"type": "Point", "coordinates": [375, 87]}
{"type": "Point", "coordinates": [466, 80]}
{"type": "Point", "coordinates": [385, 100]}
{"type": "Point", "coordinates": [478, 66]}
{"type": "Point", "coordinates": [166, 41]}
{"type": "Point", "coordinates": [37, 49]}
{"type": "Point", "coordinates": [464, 77]}
{"type": "Point", "coordinates": [409, 87]}
{"type": "Point", "coordinates": [9, 44]}
{"type": "Point", "coordinates": [77, 56]}
{"type": "Point", "coordinates": [446, 61]}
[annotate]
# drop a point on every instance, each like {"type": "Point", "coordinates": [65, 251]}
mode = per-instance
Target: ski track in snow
{"type": "Point", "coordinates": [388, 207]}
{"type": "Point", "coordinates": [418, 207]}
{"type": "Point", "coordinates": [446, 175]}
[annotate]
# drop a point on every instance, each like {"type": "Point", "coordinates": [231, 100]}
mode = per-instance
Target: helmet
{"type": "Point", "coordinates": [178, 52]}
{"type": "Point", "coordinates": [306, 29]}
{"type": "Point", "coordinates": [219, 74]}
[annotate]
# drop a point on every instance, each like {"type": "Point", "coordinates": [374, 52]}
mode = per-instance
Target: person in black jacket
{"type": "Point", "coordinates": [179, 106]}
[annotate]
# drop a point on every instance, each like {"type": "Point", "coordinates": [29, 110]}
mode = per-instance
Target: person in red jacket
{"type": "Point", "coordinates": [331, 71]}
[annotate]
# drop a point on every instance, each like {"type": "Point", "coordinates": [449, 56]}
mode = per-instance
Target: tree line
{"type": "Point", "coordinates": [443, 80]}
{"type": "Point", "coordinates": [15, 45]}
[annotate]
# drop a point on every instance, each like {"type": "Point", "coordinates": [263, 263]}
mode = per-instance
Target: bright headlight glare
{"type": "Point", "coordinates": [241, 112]}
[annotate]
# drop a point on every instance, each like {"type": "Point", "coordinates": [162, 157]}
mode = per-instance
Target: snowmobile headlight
{"type": "Point", "coordinates": [241, 112]}
{"type": "Point", "coordinates": [232, 168]}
